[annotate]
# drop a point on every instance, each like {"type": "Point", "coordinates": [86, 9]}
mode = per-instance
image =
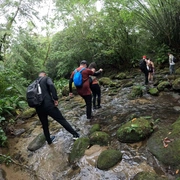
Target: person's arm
{"type": "Point", "coordinates": [70, 85]}
{"type": "Point", "coordinates": [52, 90]}
{"type": "Point", "coordinates": [97, 72]}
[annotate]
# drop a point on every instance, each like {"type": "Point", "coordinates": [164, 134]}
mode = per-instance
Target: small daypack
{"type": "Point", "coordinates": [34, 94]}
{"type": "Point", "coordinates": [174, 59]}
{"type": "Point", "coordinates": [142, 64]}
{"type": "Point", "coordinates": [77, 78]}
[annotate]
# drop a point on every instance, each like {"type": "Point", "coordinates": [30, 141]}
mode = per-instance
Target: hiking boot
{"type": "Point", "coordinates": [75, 137]}
{"type": "Point", "coordinates": [98, 107]}
{"type": "Point", "coordinates": [52, 139]}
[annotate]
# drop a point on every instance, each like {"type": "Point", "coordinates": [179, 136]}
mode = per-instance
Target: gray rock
{"type": "Point", "coordinates": [2, 174]}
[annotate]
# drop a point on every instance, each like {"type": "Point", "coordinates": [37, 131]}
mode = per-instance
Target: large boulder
{"type": "Point", "coordinates": [100, 138]}
{"type": "Point", "coordinates": [78, 149]}
{"type": "Point", "coordinates": [37, 143]}
{"type": "Point", "coordinates": [65, 90]}
{"type": "Point", "coordinates": [135, 130]}
{"type": "Point", "coordinates": [148, 176]}
{"type": "Point", "coordinates": [176, 84]}
{"type": "Point", "coordinates": [165, 144]}
{"type": "Point", "coordinates": [163, 85]}
{"type": "Point", "coordinates": [108, 159]}
{"type": "Point", "coordinates": [105, 81]}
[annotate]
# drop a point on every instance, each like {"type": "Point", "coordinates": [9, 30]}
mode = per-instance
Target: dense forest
{"type": "Point", "coordinates": [56, 36]}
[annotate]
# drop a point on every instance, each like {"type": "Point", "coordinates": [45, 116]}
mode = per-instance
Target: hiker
{"type": "Point", "coordinates": [150, 66]}
{"type": "Point", "coordinates": [84, 91]}
{"type": "Point", "coordinates": [49, 108]}
{"type": "Point", "coordinates": [143, 67]}
{"type": "Point", "coordinates": [95, 88]}
{"type": "Point", "coordinates": [171, 64]}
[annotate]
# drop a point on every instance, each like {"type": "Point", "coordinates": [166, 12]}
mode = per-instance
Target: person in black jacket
{"type": "Point", "coordinates": [143, 67]}
{"type": "Point", "coordinates": [49, 107]}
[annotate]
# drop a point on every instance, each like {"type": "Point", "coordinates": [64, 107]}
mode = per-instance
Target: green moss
{"type": "Point", "coordinates": [136, 92]}
{"type": "Point", "coordinates": [163, 85]}
{"type": "Point", "coordinates": [100, 138]}
{"type": "Point", "coordinates": [148, 176]}
{"type": "Point", "coordinates": [95, 127]}
{"type": "Point", "coordinates": [135, 130]}
{"type": "Point", "coordinates": [78, 149]}
{"type": "Point", "coordinates": [105, 81]}
{"type": "Point", "coordinates": [153, 91]}
{"type": "Point", "coordinates": [108, 159]}
{"type": "Point", "coordinates": [176, 84]}
{"type": "Point", "coordinates": [28, 113]}
{"type": "Point", "coordinates": [121, 76]}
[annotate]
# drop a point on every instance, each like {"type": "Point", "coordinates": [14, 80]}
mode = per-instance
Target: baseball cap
{"type": "Point", "coordinates": [84, 62]}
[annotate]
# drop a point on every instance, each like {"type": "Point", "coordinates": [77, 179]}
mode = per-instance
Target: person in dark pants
{"type": "Point", "coordinates": [49, 108]}
{"type": "Point", "coordinates": [84, 91]}
{"type": "Point", "coordinates": [143, 67]}
{"type": "Point", "coordinates": [95, 88]}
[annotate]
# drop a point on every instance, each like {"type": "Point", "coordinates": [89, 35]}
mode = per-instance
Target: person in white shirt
{"type": "Point", "coordinates": [171, 64]}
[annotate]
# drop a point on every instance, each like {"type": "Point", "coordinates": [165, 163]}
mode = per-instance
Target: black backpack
{"type": "Point", "coordinates": [142, 64]}
{"type": "Point", "coordinates": [34, 94]}
{"type": "Point", "coordinates": [174, 59]}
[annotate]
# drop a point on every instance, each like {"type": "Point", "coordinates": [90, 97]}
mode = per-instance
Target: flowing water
{"type": "Point", "coordinates": [51, 162]}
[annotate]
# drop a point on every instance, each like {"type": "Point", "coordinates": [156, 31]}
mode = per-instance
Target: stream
{"type": "Point", "coordinates": [51, 162]}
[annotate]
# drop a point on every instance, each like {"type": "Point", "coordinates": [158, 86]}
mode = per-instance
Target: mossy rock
{"type": "Point", "coordinates": [94, 128]}
{"type": "Point", "coordinates": [105, 81]}
{"type": "Point", "coordinates": [100, 138]}
{"type": "Point", "coordinates": [137, 91]}
{"type": "Point", "coordinates": [163, 85]}
{"type": "Point", "coordinates": [78, 149]}
{"type": "Point", "coordinates": [65, 90]}
{"type": "Point", "coordinates": [37, 143]}
{"type": "Point", "coordinates": [178, 71]}
{"type": "Point", "coordinates": [120, 76]}
{"type": "Point", "coordinates": [148, 176]}
{"type": "Point", "coordinates": [28, 113]}
{"type": "Point", "coordinates": [154, 91]}
{"type": "Point", "coordinates": [169, 155]}
{"type": "Point", "coordinates": [176, 84]}
{"type": "Point", "coordinates": [128, 84]}
{"type": "Point", "coordinates": [135, 130]}
{"type": "Point", "coordinates": [108, 159]}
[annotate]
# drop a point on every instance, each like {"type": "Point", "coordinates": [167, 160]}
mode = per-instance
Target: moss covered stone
{"type": "Point", "coordinates": [65, 90]}
{"type": "Point", "coordinates": [176, 84]}
{"type": "Point", "coordinates": [108, 159]}
{"type": "Point", "coordinates": [105, 81]}
{"type": "Point", "coordinates": [121, 76]}
{"type": "Point", "coordinates": [78, 149]}
{"type": "Point", "coordinates": [163, 85]}
{"type": "Point", "coordinates": [148, 176]}
{"type": "Point", "coordinates": [28, 113]}
{"type": "Point", "coordinates": [154, 91]}
{"type": "Point", "coordinates": [100, 138]}
{"type": "Point", "coordinates": [137, 91]}
{"type": "Point", "coordinates": [135, 130]}
{"type": "Point", "coordinates": [95, 127]}
{"type": "Point", "coordinates": [37, 143]}
{"type": "Point", "coordinates": [167, 155]}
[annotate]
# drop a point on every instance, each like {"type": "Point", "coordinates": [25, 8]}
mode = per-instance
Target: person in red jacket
{"type": "Point", "coordinates": [84, 91]}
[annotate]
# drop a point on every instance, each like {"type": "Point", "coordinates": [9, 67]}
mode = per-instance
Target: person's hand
{"type": "Point", "coordinates": [100, 70]}
{"type": "Point", "coordinates": [70, 94]}
{"type": "Point", "coordinates": [55, 103]}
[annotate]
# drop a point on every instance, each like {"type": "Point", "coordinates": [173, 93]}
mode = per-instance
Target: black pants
{"type": "Point", "coordinates": [55, 113]}
{"type": "Point", "coordinates": [88, 101]}
{"type": "Point", "coordinates": [96, 90]}
{"type": "Point", "coordinates": [146, 73]}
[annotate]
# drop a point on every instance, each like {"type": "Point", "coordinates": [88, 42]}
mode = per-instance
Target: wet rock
{"type": "Point", "coordinates": [78, 149]}
{"type": "Point", "coordinates": [163, 85]}
{"type": "Point", "coordinates": [18, 132]}
{"type": "Point", "coordinates": [120, 76]}
{"type": "Point", "coordinates": [28, 113]}
{"type": "Point", "coordinates": [148, 176]}
{"type": "Point", "coordinates": [154, 91]}
{"type": "Point", "coordinates": [2, 174]}
{"type": "Point", "coordinates": [37, 143]}
{"type": "Point", "coordinates": [108, 159]}
{"type": "Point", "coordinates": [176, 84]}
{"type": "Point", "coordinates": [136, 91]}
{"type": "Point", "coordinates": [165, 144]}
{"type": "Point", "coordinates": [95, 127]}
{"type": "Point", "coordinates": [100, 138]}
{"type": "Point", "coordinates": [135, 130]}
{"type": "Point", "coordinates": [128, 84]}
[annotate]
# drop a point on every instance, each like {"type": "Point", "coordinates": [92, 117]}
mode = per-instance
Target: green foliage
{"type": "Point", "coordinates": [61, 83]}
{"type": "Point", "coordinates": [3, 137]}
{"type": "Point", "coordinates": [5, 159]}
